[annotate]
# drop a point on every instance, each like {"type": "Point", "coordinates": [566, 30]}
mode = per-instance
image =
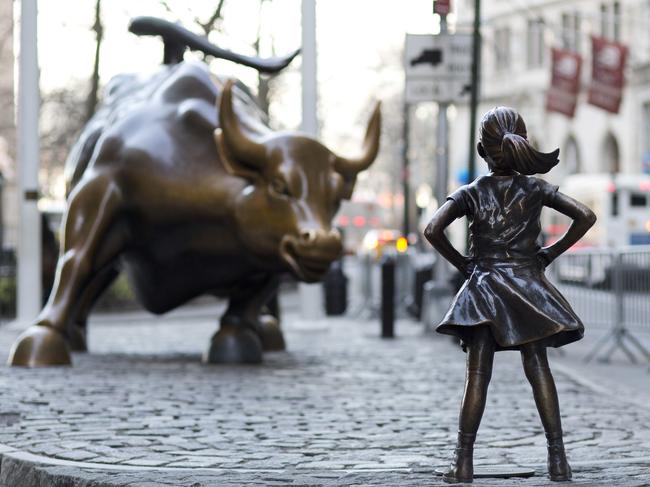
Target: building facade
{"type": "Point", "coordinates": [517, 37]}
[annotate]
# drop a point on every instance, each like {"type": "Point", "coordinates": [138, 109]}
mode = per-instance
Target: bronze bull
{"type": "Point", "coordinates": [189, 200]}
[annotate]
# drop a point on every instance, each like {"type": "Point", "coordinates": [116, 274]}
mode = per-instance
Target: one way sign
{"type": "Point", "coordinates": [438, 68]}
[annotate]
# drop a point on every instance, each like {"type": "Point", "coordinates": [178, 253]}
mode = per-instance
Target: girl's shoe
{"type": "Point", "coordinates": [462, 470]}
{"type": "Point", "coordinates": [559, 469]}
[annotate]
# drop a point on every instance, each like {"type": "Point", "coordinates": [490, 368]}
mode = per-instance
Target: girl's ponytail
{"type": "Point", "coordinates": [519, 155]}
{"type": "Point", "coordinates": [504, 139]}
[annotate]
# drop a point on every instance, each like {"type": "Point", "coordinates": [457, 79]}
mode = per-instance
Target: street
{"type": "Point", "coordinates": [340, 407]}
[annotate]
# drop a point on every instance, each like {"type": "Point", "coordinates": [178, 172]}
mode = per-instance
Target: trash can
{"type": "Point", "coordinates": [335, 285]}
{"type": "Point", "coordinates": [423, 274]}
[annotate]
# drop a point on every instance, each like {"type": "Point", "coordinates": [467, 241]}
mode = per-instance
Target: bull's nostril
{"type": "Point", "coordinates": [308, 236]}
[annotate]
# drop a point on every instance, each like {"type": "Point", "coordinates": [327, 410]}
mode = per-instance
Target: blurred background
{"type": "Point", "coordinates": [578, 71]}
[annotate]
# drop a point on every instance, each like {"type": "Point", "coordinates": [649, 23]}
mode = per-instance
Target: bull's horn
{"type": "Point", "coordinates": [351, 167]}
{"type": "Point", "coordinates": [245, 149]}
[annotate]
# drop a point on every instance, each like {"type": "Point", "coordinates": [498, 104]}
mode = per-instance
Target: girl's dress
{"type": "Point", "coordinates": [507, 289]}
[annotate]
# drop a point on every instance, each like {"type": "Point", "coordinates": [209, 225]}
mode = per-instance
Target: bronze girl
{"type": "Point", "coordinates": [507, 303]}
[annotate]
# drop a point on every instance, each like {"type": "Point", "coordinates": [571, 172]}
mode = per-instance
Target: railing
{"type": "Point", "coordinates": [609, 289]}
{"type": "Point", "coordinates": [411, 270]}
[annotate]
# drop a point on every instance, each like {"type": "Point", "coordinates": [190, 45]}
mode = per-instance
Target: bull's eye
{"type": "Point", "coordinates": [279, 187]}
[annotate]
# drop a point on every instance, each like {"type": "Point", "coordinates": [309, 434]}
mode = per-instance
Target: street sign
{"type": "Point", "coordinates": [438, 68]}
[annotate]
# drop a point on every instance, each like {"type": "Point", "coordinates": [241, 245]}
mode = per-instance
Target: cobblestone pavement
{"type": "Point", "coordinates": [341, 407]}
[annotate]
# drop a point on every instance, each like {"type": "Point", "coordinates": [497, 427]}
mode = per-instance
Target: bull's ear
{"type": "Point", "coordinates": [232, 165]}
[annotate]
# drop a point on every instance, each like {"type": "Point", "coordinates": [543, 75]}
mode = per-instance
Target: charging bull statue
{"type": "Point", "coordinates": [178, 182]}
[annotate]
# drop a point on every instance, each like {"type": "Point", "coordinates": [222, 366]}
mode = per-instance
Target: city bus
{"type": "Point", "coordinates": [621, 203]}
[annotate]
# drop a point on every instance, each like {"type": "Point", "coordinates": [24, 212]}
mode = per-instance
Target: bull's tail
{"type": "Point", "coordinates": [176, 39]}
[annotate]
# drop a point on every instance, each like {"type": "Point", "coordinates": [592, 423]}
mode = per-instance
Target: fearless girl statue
{"type": "Point", "coordinates": [506, 302]}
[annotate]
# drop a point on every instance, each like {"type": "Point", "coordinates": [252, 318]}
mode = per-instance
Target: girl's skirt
{"type": "Point", "coordinates": [517, 302]}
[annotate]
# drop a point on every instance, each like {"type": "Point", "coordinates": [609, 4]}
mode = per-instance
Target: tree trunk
{"type": "Point", "coordinates": [263, 88]}
{"type": "Point", "coordinates": [93, 95]}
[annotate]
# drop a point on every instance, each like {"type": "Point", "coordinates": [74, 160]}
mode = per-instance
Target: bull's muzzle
{"type": "Point", "coordinates": [310, 254]}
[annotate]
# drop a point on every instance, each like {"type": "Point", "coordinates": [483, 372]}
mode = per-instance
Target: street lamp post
{"type": "Point", "coordinates": [476, 79]}
{"type": "Point", "coordinates": [442, 165]}
{"type": "Point", "coordinates": [29, 242]}
{"type": "Point", "coordinates": [311, 298]}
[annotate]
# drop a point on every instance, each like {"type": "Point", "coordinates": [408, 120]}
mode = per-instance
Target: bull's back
{"type": "Point", "coordinates": [163, 120]}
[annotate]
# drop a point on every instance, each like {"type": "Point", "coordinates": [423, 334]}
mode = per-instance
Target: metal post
{"type": "Point", "coordinates": [406, 179]}
{"type": "Point", "coordinates": [29, 241]}
{"type": "Point", "coordinates": [474, 94]}
{"type": "Point", "coordinates": [311, 295]}
{"type": "Point", "coordinates": [388, 297]}
{"type": "Point", "coordinates": [442, 167]}
{"type": "Point", "coordinates": [309, 70]}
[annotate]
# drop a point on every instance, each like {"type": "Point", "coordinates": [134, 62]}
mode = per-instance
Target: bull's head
{"type": "Point", "coordinates": [296, 188]}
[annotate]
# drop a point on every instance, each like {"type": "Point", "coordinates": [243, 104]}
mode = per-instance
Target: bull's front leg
{"type": "Point", "coordinates": [91, 241]}
{"type": "Point", "coordinates": [245, 332]}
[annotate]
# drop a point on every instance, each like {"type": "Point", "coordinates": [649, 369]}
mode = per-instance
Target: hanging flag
{"type": "Point", "coordinates": [442, 7]}
{"type": "Point", "coordinates": [562, 96]}
{"type": "Point", "coordinates": [607, 74]}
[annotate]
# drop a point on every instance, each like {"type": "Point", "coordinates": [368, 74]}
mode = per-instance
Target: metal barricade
{"type": "Point", "coordinates": [609, 289]}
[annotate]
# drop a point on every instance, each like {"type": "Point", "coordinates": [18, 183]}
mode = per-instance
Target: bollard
{"type": "Point", "coordinates": [335, 285]}
{"type": "Point", "coordinates": [388, 296]}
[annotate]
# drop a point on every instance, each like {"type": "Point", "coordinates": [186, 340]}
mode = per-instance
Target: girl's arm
{"type": "Point", "coordinates": [583, 219]}
{"type": "Point", "coordinates": [435, 234]}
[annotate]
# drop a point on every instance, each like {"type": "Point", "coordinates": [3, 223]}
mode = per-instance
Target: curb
{"type": "Point", "coordinates": [23, 469]}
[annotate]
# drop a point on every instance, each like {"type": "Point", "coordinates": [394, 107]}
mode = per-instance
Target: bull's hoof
{"type": "Point", "coordinates": [270, 334]}
{"type": "Point", "coordinates": [77, 339]}
{"type": "Point", "coordinates": [39, 346]}
{"type": "Point", "coordinates": [234, 345]}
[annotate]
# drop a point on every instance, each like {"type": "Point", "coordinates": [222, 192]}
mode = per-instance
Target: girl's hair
{"type": "Point", "coordinates": [503, 137]}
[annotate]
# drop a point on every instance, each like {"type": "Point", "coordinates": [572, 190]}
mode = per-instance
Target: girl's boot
{"type": "Point", "coordinates": [558, 466]}
{"type": "Point", "coordinates": [462, 470]}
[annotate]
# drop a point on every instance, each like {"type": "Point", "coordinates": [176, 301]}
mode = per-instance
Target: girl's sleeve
{"type": "Point", "coordinates": [462, 198]}
{"type": "Point", "coordinates": [549, 192]}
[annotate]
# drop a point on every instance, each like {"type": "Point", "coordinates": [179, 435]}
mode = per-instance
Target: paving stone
{"type": "Point", "coordinates": [332, 411]}
{"type": "Point", "coordinates": [78, 455]}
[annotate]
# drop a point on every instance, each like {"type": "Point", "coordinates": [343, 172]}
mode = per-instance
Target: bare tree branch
{"type": "Point", "coordinates": [166, 6]}
{"type": "Point", "coordinates": [216, 15]}
{"type": "Point", "coordinates": [93, 96]}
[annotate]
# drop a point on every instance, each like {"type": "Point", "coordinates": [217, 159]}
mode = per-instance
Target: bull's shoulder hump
{"type": "Point", "coordinates": [189, 80]}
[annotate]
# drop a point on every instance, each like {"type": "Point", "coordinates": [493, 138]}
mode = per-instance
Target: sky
{"type": "Point", "coordinates": [359, 46]}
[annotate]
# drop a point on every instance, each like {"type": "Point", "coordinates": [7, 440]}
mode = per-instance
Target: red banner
{"type": "Point", "coordinates": [607, 74]}
{"type": "Point", "coordinates": [442, 7]}
{"type": "Point", "coordinates": [562, 96]}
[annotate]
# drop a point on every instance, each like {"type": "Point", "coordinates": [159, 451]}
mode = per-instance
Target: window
{"type": "Point", "coordinates": [571, 23]}
{"type": "Point", "coordinates": [502, 48]}
{"type": "Point", "coordinates": [616, 20]}
{"type": "Point", "coordinates": [535, 45]}
{"type": "Point", "coordinates": [638, 200]}
{"type": "Point", "coordinates": [611, 155]}
{"type": "Point", "coordinates": [610, 20]}
{"type": "Point", "coordinates": [571, 156]}
{"type": "Point", "coordinates": [645, 134]}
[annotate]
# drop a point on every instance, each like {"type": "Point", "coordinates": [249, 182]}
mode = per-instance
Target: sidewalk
{"type": "Point", "coordinates": [340, 407]}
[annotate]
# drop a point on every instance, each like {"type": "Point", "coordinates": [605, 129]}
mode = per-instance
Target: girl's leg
{"type": "Point", "coordinates": [539, 375]}
{"type": "Point", "coordinates": [480, 357]}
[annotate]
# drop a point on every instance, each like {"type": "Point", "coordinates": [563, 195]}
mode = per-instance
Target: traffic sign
{"type": "Point", "coordinates": [438, 68]}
